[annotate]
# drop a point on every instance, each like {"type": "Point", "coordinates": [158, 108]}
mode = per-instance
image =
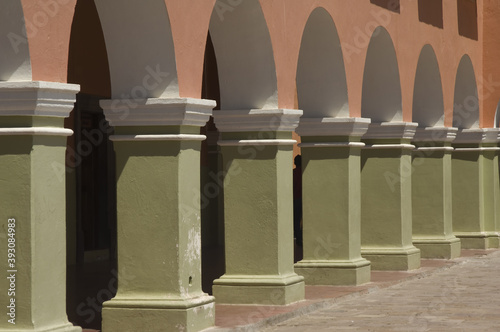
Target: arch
{"type": "Point", "coordinates": [15, 63]}
{"type": "Point", "coordinates": [140, 48]}
{"type": "Point", "coordinates": [321, 78]}
{"type": "Point", "coordinates": [497, 117]}
{"type": "Point", "coordinates": [466, 101]}
{"type": "Point", "coordinates": [381, 100]}
{"type": "Point", "coordinates": [428, 103]}
{"type": "Point", "coordinates": [245, 56]}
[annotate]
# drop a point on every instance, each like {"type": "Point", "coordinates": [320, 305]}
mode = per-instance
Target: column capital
{"type": "Point", "coordinates": [257, 120]}
{"type": "Point", "coordinates": [391, 130]}
{"type": "Point", "coordinates": [435, 134]}
{"type": "Point", "coordinates": [478, 136]}
{"type": "Point", "coordinates": [491, 135]}
{"type": "Point", "coordinates": [158, 112]}
{"type": "Point", "coordinates": [45, 99]}
{"type": "Point", "coordinates": [345, 127]}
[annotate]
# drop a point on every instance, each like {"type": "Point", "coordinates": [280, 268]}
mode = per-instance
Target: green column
{"type": "Point", "coordinates": [386, 216]}
{"type": "Point", "coordinates": [496, 190]}
{"type": "Point", "coordinates": [431, 193]}
{"type": "Point", "coordinates": [33, 200]}
{"type": "Point", "coordinates": [331, 185]}
{"type": "Point", "coordinates": [474, 219]}
{"type": "Point", "coordinates": [157, 146]}
{"type": "Point", "coordinates": [257, 149]}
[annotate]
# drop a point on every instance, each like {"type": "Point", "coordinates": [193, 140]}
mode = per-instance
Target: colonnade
{"type": "Point", "coordinates": [375, 196]}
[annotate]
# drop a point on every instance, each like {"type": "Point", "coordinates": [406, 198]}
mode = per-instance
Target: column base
{"type": "Point", "coordinates": [392, 259]}
{"type": "Point", "coordinates": [334, 273]}
{"type": "Point", "coordinates": [438, 248]}
{"type": "Point", "coordinates": [479, 240]}
{"type": "Point", "coordinates": [158, 315]}
{"type": "Point", "coordinates": [263, 290]}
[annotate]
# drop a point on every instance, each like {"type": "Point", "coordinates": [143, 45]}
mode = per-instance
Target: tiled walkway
{"type": "Point", "coordinates": [459, 295]}
{"type": "Point", "coordinates": [465, 297]}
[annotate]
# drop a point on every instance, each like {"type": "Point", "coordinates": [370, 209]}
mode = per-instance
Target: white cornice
{"type": "Point", "coordinates": [147, 138]}
{"type": "Point", "coordinates": [37, 99]}
{"type": "Point", "coordinates": [158, 112]}
{"type": "Point", "coordinates": [391, 130]}
{"type": "Point", "coordinates": [435, 134]}
{"type": "Point", "coordinates": [35, 131]}
{"type": "Point", "coordinates": [257, 120]}
{"type": "Point", "coordinates": [333, 145]}
{"type": "Point", "coordinates": [354, 127]}
{"type": "Point", "coordinates": [257, 142]}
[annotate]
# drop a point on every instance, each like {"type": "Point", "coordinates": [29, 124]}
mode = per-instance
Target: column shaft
{"type": "Point", "coordinates": [331, 202]}
{"type": "Point", "coordinates": [157, 150]}
{"type": "Point", "coordinates": [474, 220]}
{"type": "Point", "coordinates": [386, 217]}
{"type": "Point", "coordinates": [431, 194]}
{"type": "Point", "coordinates": [258, 208]}
{"type": "Point", "coordinates": [33, 198]}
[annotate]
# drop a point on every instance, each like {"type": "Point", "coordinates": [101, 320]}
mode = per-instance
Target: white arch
{"type": "Point", "coordinates": [321, 78]}
{"type": "Point", "coordinates": [428, 104]}
{"type": "Point", "coordinates": [245, 59]}
{"type": "Point", "coordinates": [496, 120]}
{"type": "Point", "coordinates": [466, 101]}
{"type": "Point", "coordinates": [140, 48]}
{"type": "Point", "coordinates": [15, 63]}
{"type": "Point", "coordinates": [381, 99]}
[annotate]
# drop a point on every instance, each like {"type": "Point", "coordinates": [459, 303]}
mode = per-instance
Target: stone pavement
{"type": "Point", "coordinates": [462, 294]}
{"type": "Point", "coordinates": [465, 297]}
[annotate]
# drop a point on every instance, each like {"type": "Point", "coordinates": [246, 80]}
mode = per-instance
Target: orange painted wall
{"type": "Point", "coordinates": [286, 19]}
{"type": "Point", "coordinates": [48, 25]}
{"type": "Point", "coordinates": [490, 82]}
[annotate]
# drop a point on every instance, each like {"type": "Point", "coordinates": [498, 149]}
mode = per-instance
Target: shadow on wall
{"type": "Point", "coordinates": [431, 12]}
{"type": "Point", "coordinates": [467, 18]}
{"type": "Point", "coordinates": [392, 5]}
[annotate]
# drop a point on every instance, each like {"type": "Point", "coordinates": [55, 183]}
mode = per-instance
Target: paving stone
{"type": "Point", "coordinates": [465, 297]}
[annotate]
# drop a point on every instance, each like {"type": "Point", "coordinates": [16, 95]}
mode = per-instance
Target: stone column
{"type": "Point", "coordinates": [474, 219]}
{"type": "Point", "coordinates": [386, 217]}
{"type": "Point", "coordinates": [496, 189]}
{"type": "Point", "coordinates": [331, 185]}
{"type": "Point", "coordinates": [33, 199]}
{"type": "Point", "coordinates": [431, 193]}
{"type": "Point", "coordinates": [157, 145]}
{"type": "Point", "coordinates": [257, 149]}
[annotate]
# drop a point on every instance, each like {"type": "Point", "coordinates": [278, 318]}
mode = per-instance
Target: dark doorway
{"type": "Point", "coordinates": [212, 188]}
{"type": "Point", "coordinates": [91, 194]}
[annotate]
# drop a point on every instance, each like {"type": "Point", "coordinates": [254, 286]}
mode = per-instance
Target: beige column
{"type": "Point", "coordinates": [331, 182]}
{"type": "Point", "coordinates": [431, 193]}
{"type": "Point", "coordinates": [386, 216]}
{"type": "Point", "coordinates": [157, 146]}
{"type": "Point", "coordinates": [257, 150]}
{"type": "Point", "coordinates": [474, 220]}
{"type": "Point", "coordinates": [33, 199]}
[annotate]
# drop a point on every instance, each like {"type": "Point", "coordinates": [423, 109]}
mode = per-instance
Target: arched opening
{"type": "Point", "coordinates": [321, 78]}
{"type": "Point", "coordinates": [381, 100]}
{"type": "Point", "coordinates": [245, 57]}
{"type": "Point", "coordinates": [14, 49]}
{"type": "Point", "coordinates": [90, 177]}
{"type": "Point", "coordinates": [466, 101]}
{"type": "Point", "coordinates": [428, 105]}
{"type": "Point", "coordinates": [239, 73]}
{"type": "Point", "coordinates": [140, 49]}
{"type": "Point", "coordinates": [212, 195]}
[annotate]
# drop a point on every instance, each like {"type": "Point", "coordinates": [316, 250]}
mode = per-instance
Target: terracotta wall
{"type": "Point", "coordinates": [355, 21]}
